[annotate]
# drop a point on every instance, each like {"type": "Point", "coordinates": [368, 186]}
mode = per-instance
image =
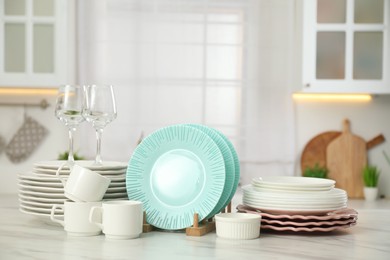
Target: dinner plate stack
{"type": "Point", "coordinates": [40, 189]}
{"type": "Point", "coordinates": [298, 204]}
{"type": "Point", "coordinates": [181, 170]}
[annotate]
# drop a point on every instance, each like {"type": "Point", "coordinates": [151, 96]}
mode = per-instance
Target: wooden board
{"type": "Point", "coordinates": [346, 157]}
{"type": "Point", "coordinates": [315, 150]}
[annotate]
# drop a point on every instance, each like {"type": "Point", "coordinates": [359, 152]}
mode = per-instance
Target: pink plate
{"type": "Point", "coordinates": [308, 229]}
{"type": "Point", "coordinates": [345, 213]}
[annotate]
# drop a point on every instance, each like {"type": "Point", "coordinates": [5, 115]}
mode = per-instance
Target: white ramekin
{"type": "Point", "coordinates": [238, 225]}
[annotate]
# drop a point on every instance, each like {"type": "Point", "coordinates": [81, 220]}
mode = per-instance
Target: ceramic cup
{"type": "Point", "coordinates": [76, 218]}
{"type": "Point", "coordinates": [84, 185]}
{"type": "Point", "coordinates": [121, 219]}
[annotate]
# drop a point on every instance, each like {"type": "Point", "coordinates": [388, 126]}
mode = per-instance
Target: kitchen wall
{"type": "Point", "coordinates": [12, 118]}
{"type": "Point", "coordinates": [368, 119]}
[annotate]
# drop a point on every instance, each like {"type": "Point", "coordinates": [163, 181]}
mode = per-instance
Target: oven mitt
{"type": "Point", "coordinates": [2, 144]}
{"type": "Point", "coordinates": [26, 140]}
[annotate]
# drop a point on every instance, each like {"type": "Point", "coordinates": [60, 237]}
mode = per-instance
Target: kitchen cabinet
{"type": "Point", "coordinates": [345, 46]}
{"type": "Point", "coordinates": [37, 46]}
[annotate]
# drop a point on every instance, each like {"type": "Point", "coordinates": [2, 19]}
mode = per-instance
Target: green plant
{"type": "Point", "coordinates": [64, 156]}
{"type": "Point", "coordinates": [370, 176]}
{"type": "Point", "coordinates": [317, 171]}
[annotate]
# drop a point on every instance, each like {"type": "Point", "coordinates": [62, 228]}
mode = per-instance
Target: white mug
{"type": "Point", "coordinates": [76, 218]}
{"type": "Point", "coordinates": [121, 219]}
{"type": "Point", "coordinates": [84, 185]}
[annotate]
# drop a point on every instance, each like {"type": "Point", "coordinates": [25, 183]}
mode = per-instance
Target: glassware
{"type": "Point", "coordinates": [68, 110]}
{"type": "Point", "coordinates": [99, 109]}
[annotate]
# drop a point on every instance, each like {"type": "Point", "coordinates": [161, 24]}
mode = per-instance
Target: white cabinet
{"type": "Point", "coordinates": [345, 46]}
{"type": "Point", "coordinates": [36, 47]}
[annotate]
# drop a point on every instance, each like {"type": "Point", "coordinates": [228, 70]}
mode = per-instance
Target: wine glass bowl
{"type": "Point", "coordinates": [68, 109]}
{"type": "Point", "coordinates": [99, 109]}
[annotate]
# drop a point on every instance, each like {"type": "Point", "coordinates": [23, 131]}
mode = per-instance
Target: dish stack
{"type": "Point", "coordinates": [181, 170]}
{"type": "Point", "coordinates": [40, 189]}
{"type": "Point", "coordinates": [298, 204]}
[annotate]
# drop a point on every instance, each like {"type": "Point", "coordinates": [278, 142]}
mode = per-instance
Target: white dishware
{"type": "Point", "coordinates": [293, 183]}
{"type": "Point", "coordinates": [121, 219]}
{"type": "Point", "coordinates": [85, 185]}
{"type": "Point", "coordinates": [68, 110]}
{"type": "Point", "coordinates": [76, 218]}
{"type": "Point", "coordinates": [238, 225]}
{"type": "Point", "coordinates": [107, 165]}
{"type": "Point", "coordinates": [99, 109]}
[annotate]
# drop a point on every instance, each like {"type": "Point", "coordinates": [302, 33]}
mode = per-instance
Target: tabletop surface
{"type": "Point", "coordinates": [24, 236]}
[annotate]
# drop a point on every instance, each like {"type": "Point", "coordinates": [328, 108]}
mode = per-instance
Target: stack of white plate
{"type": "Point", "coordinates": [294, 195]}
{"type": "Point", "coordinates": [180, 170]}
{"type": "Point", "coordinates": [40, 189]}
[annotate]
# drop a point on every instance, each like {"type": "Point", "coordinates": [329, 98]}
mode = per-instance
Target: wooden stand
{"type": "Point", "coordinates": [200, 229]}
{"type": "Point", "coordinates": [197, 229]}
{"type": "Point", "coordinates": [146, 228]}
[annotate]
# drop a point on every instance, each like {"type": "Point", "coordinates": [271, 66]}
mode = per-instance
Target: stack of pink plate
{"type": "Point", "coordinates": [298, 204]}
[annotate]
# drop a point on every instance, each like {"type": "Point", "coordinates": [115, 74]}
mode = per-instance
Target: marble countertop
{"type": "Point", "coordinates": [24, 236]}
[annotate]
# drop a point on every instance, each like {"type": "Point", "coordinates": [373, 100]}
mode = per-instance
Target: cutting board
{"type": "Point", "coordinates": [315, 150]}
{"type": "Point", "coordinates": [346, 157]}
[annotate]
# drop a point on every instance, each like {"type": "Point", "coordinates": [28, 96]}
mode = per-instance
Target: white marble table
{"type": "Point", "coordinates": [25, 237]}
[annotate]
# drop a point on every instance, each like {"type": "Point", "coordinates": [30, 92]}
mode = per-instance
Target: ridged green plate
{"type": "Point", "coordinates": [175, 172]}
{"type": "Point", "coordinates": [229, 166]}
{"type": "Point", "coordinates": [236, 168]}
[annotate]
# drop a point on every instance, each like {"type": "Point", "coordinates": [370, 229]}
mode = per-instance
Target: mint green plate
{"type": "Point", "coordinates": [175, 172]}
{"type": "Point", "coordinates": [229, 166]}
{"type": "Point", "coordinates": [236, 167]}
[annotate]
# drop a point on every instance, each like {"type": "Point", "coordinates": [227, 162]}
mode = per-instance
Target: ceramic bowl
{"type": "Point", "coordinates": [238, 225]}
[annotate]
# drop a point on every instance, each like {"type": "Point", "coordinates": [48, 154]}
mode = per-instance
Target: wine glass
{"type": "Point", "coordinates": [68, 110]}
{"type": "Point", "coordinates": [99, 109]}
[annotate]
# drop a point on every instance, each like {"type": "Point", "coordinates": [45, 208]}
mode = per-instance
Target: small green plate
{"type": "Point", "coordinates": [236, 167]}
{"type": "Point", "coordinates": [175, 172]}
{"type": "Point", "coordinates": [229, 166]}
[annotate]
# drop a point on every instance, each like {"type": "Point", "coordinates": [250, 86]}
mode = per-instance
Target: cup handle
{"type": "Point", "coordinates": [92, 213]}
{"type": "Point", "coordinates": [63, 180]}
{"type": "Point", "coordinates": [53, 209]}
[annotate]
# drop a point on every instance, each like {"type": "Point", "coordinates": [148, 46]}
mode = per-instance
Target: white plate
{"type": "Point", "coordinates": [281, 206]}
{"type": "Point", "coordinates": [41, 184]}
{"type": "Point", "coordinates": [115, 195]}
{"type": "Point", "coordinates": [41, 189]}
{"type": "Point", "coordinates": [294, 182]}
{"type": "Point", "coordinates": [45, 216]}
{"type": "Point", "coordinates": [42, 194]}
{"type": "Point", "coordinates": [117, 184]}
{"type": "Point", "coordinates": [37, 204]}
{"type": "Point", "coordinates": [67, 172]}
{"type": "Point", "coordinates": [296, 200]}
{"type": "Point", "coordinates": [333, 193]}
{"type": "Point", "coordinates": [107, 165]}
{"type": "Point", "coordinates": [40, 210]}
{"type": "Point", "coordinates": [295, 204]}
{"type": "Point", "coordinates": [36, 177]}
{"type": "Point", "coordinates": [30, 176]}
{"type": "Point", "coordinates": [276, 188]}
{"type": "Point", "coordinates": [116, 190]}
{"type": "Point", "coordinates": [26, 197]}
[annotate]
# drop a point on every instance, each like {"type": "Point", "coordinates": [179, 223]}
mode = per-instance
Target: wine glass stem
{"type": "Point", "coordinates": [99, 132]}
{"type": "Point", "coordinates": [70, 154]}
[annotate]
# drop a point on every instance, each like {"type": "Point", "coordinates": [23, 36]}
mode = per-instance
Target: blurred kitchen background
{"type": "Point", "coordinates": [229, 64]}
